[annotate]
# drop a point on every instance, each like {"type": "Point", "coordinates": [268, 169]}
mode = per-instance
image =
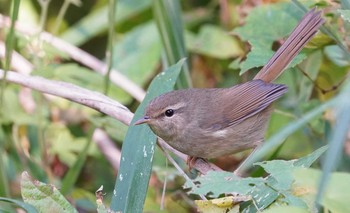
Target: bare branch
{"type": "Point", "coordinates": [74, 93]}
{"type": "Point", "coordinates": [17, 61]}
{"type": "Point", "coordinates": [107, 147]}
{"type": "Point", "coordinates": [23, 66]}
{"type": "Point", "coordinates": [80, 56]}
{"type": "Point", "coordinates": [202, 166]}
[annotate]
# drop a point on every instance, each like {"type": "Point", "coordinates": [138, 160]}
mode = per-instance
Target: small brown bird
{"type": "Point", "coordinates": [208, 123]}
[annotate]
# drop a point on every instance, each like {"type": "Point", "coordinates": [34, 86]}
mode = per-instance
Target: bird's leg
{"type": "Point", "coordinates": [239, 171]}
{"type": "Point", "coordinates": [191, 161]}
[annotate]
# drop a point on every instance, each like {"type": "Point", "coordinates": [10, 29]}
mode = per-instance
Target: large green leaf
{"type": "Point", "coordinates": [138, 53]}
{"type": "Point", "coordinates": [138, 149]}
{"type": "Point", "coordinates": [214, 42]}
{"type": "Point", "coordinates": [337, 194]}
{"type": "Point", "coordinates": [216, 183]}
{"type": "Point", "coordinates": [43, 196]}
{"type": "Point", "coordinates": [264, 25]}
{"type": "Point", "coordinates": [276, 188]}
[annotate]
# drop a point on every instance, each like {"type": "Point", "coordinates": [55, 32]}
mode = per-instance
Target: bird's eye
{"type": "Point", "coordinates": [169, 112]}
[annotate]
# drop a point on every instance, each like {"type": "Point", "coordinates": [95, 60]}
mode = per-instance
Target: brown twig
{"type": "Point", "coordinates": [322, 90]}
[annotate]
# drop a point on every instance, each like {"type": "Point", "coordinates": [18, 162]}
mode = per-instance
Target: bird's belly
{"type": "Point", "coordinates": [245, 135]}
{"type": "Point", "coordinates": [219, 144]}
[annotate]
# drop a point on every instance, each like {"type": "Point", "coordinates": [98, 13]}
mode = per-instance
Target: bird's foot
{"type": "Point", "coordinates": [191, 161]}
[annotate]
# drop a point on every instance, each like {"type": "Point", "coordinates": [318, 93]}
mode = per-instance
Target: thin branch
{"type": "Point", "coordinates": [201, 165]}
{"type": "Point", "coordinates": [188, 179]}
{"type": "Point", "coordinates": [80, 56]}
{"type": "Point", "coordinates": [74, 93]}
{"type": "Point", "coordinates": [107, 147]}
{"type": "Point", "coordinates": [17, 62]}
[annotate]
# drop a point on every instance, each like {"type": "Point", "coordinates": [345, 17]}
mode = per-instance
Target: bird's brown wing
{"type": "Point", "coordinates": [241, 102]}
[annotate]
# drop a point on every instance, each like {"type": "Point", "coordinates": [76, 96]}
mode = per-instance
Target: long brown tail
{"type": "Point", "coordinates": [301, 34]}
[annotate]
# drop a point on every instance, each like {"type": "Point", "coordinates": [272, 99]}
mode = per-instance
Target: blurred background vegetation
{"type": "Point", "coordinates": [226, 42]}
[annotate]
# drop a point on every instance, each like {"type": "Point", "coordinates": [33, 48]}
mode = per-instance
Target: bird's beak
{"type": "Point", "coordinates": [143, 120]}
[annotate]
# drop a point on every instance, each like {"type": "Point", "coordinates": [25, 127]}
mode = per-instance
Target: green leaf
{"type": "Point", "coordinates": [279, 138]}
{"type": "Point", "coordinates": [167, 15]}
{"type": "Point", "coordinates": [258, 56]}
{"type": "Point", "coordinates": [337, 55]}
{"type": "Point", "coordinates": [43, 196]}
{"type": "Point", "coordinates": [280, 173]}
{"type": "Point", "coordinates": [9, 46]}
{"type": "Point", "coordinates": [261, 23]}
{"type": "Point", "coordinates": [213, 41]}
{"type": "Point", "coordinates": [261, 30]}
{"type": "Point", "coordinates": [337, 138]}
{"type": "Point", "coordinates": [88, 79]}
{"type": "Point", "coordinates": [345, 14]}
{"type": "Point", "coordinates": [262, 195]}
{"type": "Point", "coordinates": [64, 144]}
{"type": "Point", "coordinates": [277, 187]}
{"type": "Point", "coordinates": [138, 149]}
{"type": "Point", "coordinates": [308, 160]}
{"type": "Point", "coordinates": [285, 209]}
{"type": "Point", "coordinates": [29, 208]}
{"type": "Point", "coordinates": [217, 183]}
{"type": "Point", "coordinates": [337, 194]}
{"type": "Point", "coordinates": [72, 175]}
{"type": "Point", "coordinates": [292, 200]}
{"type": "Point", "coordinates": [137, 54]}
{"type": "Point", "coordinates": [312, 67]}
{"type": "Point", "coordinates": [345, 4]}
{"type": "Point", "coordinates": [12, 109]}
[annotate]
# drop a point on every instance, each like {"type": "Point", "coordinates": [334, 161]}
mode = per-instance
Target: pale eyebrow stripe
{"type": "Point", "coordinates": [176, 106]}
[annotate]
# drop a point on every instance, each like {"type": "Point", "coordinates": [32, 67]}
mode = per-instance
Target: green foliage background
{"type": "Point", "coordinates": [225, 43]}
